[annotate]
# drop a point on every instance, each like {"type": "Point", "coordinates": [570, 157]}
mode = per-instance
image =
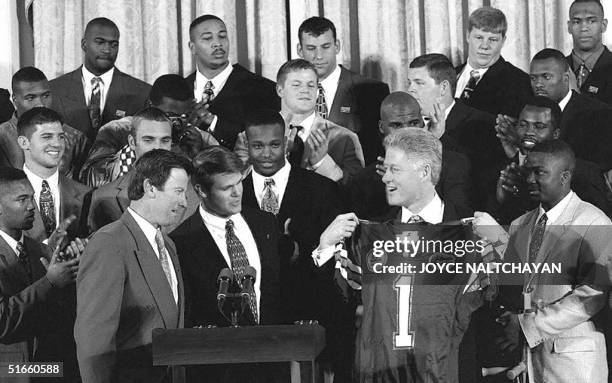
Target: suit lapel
{"type": "Point", "coordinates": [232, 85]}
{"type": "Point", "coordinates": [12, 270]}
{"type": "Point", "coordinates": [76, 83]}
{"type": "Point", "coordinates": [292, 193]}
{"type": "Point", "coordinates": [123, 201]}
{"type": "Point", "coordinates": [457, 114]}
{"type": "Point", "coordinates": [556, 231]}
{"type": "Point", "coordinates": [343, 93]}
{"type": "Point", "coordinates": [116, 96]}
{"type": "Point", "coordinates": [249, 195]}
{"type": "Point", "coordinates": [206, 243]}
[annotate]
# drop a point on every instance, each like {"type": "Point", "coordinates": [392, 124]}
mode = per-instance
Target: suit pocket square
{"type": "Point", "coordinates": [120, 113]}
{"type": "Point", "coordinates": [345, 109]}
{"type": "Point", "coordinates": [573, 344]}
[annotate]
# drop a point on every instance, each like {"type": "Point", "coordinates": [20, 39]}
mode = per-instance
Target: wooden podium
{"type": "Point", "coordinates": [298, 344]}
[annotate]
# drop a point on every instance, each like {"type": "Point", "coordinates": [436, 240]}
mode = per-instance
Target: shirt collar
{"type": "Point", "coordinates": [53, 180]}
{"type": "Point", "coordinates": [148, 229]}
{"type": "Point", "coordinates": [280, 177]}
{"type": "Point", "coordinates": [555, 212]}
{"type": "Point", "coordinates": [215, 220]}
{"type": "Point", "coordinates": [307, 124]}
{"type": "Point", "coordinates": [10, 240]}
{"type": "Point", "coordinates": [432, 213]}
{"type": "Point", "coordinates": [333, 78]}
{"type": "Point", "coordinates": [218, 81]}
{"type": "Point", "coordinates": [448, 109]}
{"type": "Point", "coordinates": [106, 77]}
{"type": "Point", "coordinates": [565, 100]}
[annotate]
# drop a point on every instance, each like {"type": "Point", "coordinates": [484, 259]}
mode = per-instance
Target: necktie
{"type": "Point", "coordinates": [24, 260]}
{"type": "Point", "coordinates": [297, 151]}
{"type": "Point", "coordinates": [95, 103]}
{"type": "Point", "coordinates": [582, 74]}
{"type": "Point", "coordinates": [127, 157]}
{"type": "Point", "coordinates": [321, 104]}
{"type": "Point", "coordinates": [471, 85]}
{"type": "Point", "coordinates": [163, 259]}
{"type": "Point", "coordinates": [415, 219]}
{"type": "Point", "coordinates": [536, 238]}
{"type": "Point", "coordinates": [47, 208]}
{"type": "Point", "coordinates": [269, 201]}
{"type": "Point", "coordinates": [209, 92]}
{"type": "Point", "coordinates": [239, 261]}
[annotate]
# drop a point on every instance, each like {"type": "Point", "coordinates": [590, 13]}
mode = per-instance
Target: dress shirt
{"type": "Point", "coordinates": [11, 241]}
{"type": "Point", "coordinates": [281, 177]}
{"type": "Point", "coordinates": [555, 212]}
{"type": "Point", "coordinates": [464, 78]}
{"type": "Point", "coordinates": [432, 213]}
{"type": "Point", "coordinates": [589, 61]}
{"type": "Point", "coordinates": [107, 78]}
{"type": "Point", "coordinates": [448, 110]}
{"type": "Point", "coordinates": [330, 86]}
{"type": "Point", "coordinates": [218, 83]}
{"type": "Point", "coordinates": [565, 100]}
{"type": "Point", "coordinates": [216, 227]}
{"type": "Point", "coordinates": [150, 231]}
{"type": "Point", "coordinates": [307, 124]}
{"type": "Point", "coordinates": [53, 182]}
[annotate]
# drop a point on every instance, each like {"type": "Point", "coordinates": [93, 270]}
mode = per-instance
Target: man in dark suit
{"type": "Point", "coordinates": [41, 137]}
{"type": "Point", "coordinates": [98, 92]}
{"type": "Point", "coordinates": [590, 60]}
{"type": "Point", "coordinates": [486, 81]}
{"type": "Point", "coordinates": [31, 89]}
{"type": "Point", "coordinates": [6, 106]}
{"type": "Point", "coordinates": [224, 92]}
{"type": "Point", "coordinates": [400, 110]}
{"type": "Point", "coordinates": [130, 280]}
{"type": "Point", "coordinates": [30, 311]}
{"type": "Point", "coordinates": [344, 97]}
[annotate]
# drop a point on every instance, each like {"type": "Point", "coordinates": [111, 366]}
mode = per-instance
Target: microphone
{"type": "Point", "coordinates": [248, 282]}
{"type": "Point", "coordinates": [224, 279]}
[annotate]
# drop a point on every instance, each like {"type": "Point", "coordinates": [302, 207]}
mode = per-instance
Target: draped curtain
{"type": "Point", "coordinates": [378, 38]}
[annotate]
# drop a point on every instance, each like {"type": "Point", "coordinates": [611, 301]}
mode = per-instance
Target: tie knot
{"type": "Point", "coordinates": [159, 237]}
{"type": "Point", "coordinates": [475, 74]}
{"type": "Point", "coordinates": [269, 182]}
{"type": "Point", "coordinates": [20, 252]}
{"type": "Point", "coordinates": [415, 219]}
{"type": "Point", "coordinates": [45, 184]}
{"type": "Point", "coordinates": [298, 127]}
{"type": "Point", "coordinates": [543, 219]}
{"type": "Point", "coordinates": [320, 87]}
{"type": "Point", "coordinates": [229, 225]}
{"type": "Point", "coordinates": [96, 81]}
{"type": "Point", "coordinates": [209, 85]}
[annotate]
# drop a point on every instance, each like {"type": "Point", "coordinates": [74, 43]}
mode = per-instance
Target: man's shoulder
{"type": "Point", "coordinates": [185, 229]}
{"type": "Point", "coordinates": [582, 103]}
{"type": "Point", "coordinates": [130, 82]}
{"type": "Point", "coordinates": [472, 114]}
{"type": "Point", "coordinates": [66, 77]}
{"type": "Point", "coordinates": [112, 187]}
{"type": "Point", "coordinates": [508, 72]}
{"type": "Point", "coordinates": [361, 82]}
{"type": "Point", "coordinates": [242, 73]}
{"type": "Point", "coordinates": [77, 187]}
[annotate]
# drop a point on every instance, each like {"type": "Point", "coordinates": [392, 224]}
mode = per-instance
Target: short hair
{"type": "Point", "coordinates": [155, 166]}
{"type": "Point", "coordinates": [549, 53]}
{"type": "Point", "coordinates": [588, 1]}
{"type": "Point", "coordinates": [201, 19]}
{"type": "Point", "coordinates": [419, 144]}
{"type": "Point", "coordinates": [293, 66]}
{"type": "Point", "coordinates": [261, 117]}
{"type": "Point", "coordinates": [100, 22]}
{"type": "Point", "coordinates": [545, 102]}
{"type": "Point", "coordinates": [27, 74]}
{"type": "Point", "coordinates": [10, 174]}
{"type": "Point", "coordinates": [212, 161]}
{"type": "Point", "coordinates": [559, 149]}
{"type": "Point", "coordinates": [40, 115]}
{"type": "Point", "coordinates": [489, 19]}
{"type": "Point", "coordinates": [316, 26]}
{"type": "Point", "coordinates": [149, 114]}
{"type": "Point", "coordinates": [439, 67]}
{"type": "Point", "coordinates": [172, 86]}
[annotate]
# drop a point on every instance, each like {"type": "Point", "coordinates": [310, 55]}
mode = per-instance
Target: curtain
{"type": "Point", "coordinates": [378, 38]}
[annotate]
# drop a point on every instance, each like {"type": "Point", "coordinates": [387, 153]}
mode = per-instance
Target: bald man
{"type": "Point", "coordinates": [368, 198]}
{"type": "Point", "coordinates": [97, 92]}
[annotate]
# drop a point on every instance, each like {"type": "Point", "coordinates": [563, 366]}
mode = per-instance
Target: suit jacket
{"type": "Point", "coordinates": [122, 295]}
{"type": "Point", "coordinates": [75, 153]}
{"type": "Point", "coordinates": [356, 106]}
{"type": "Point", "coordinates": [110, 201]}
{"type": "Point", "coordinates": [6, 106]}
{"type": "Point", "coordinates": [125, 97]}
{"type": "Point", "coordinates": [599, 83]}
{"type": "Point", "coordinates": [369, 200]}
{"type": "Point", "coordinates": [202, 260]}
{"type": "Point", "coordinates": [242, 92]}
{"type": "Point", "coordinates": [75, 198]}
{"type": "Point", "coordinates": [503, 89]}
{"type": "Point", "coordinates": [565, 344]}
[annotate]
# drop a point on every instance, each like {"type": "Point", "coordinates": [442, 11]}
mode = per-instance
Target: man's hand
{"type": "Point", "coordinates": [59, 273]}
{"type": "Point", "coordinates": [437, 125]}
{"type": "Point", "coordinates": [191, 142]}
{"type": "Point", "coordinates": [380, 168]}
{"type": "Point", "coordinates": [510, 338]}
{"type": "Point", "coordinates": [505, 127]}
{"type": "Point", "coordinates": [57, 237]}
{"type": "Point", "coordinates": [75, 248]}
{"type": "Point", "coordinates": [342, 227]}
{"type": "Point", "coordinates": [508, 183]}
{"type": "Point", "coordinates": [200, 115]}
{"type": "Point", "coordinates": [487, 228]}
{"type": "Point", "coordinates": [318, 144]}
{"type": "Point", "coordinates": [296, 247]}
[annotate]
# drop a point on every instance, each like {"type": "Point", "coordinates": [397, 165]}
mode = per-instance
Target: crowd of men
{"type": "Point", "coordinates": [121, 203]}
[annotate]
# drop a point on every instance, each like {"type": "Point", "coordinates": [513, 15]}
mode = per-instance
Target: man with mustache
{"type": "Point", "coordinates": [98, 92]}
{"type": "Point", "coordinates": [224, 92]}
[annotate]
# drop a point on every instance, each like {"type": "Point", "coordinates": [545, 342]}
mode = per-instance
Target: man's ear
{"type": "Point", "coordinates": [23, 142]}
{"type": "Point", "coordinates": [566, 177]}
{"type": "Point", "coordinates": [604, 25]}
{"type": "Point", "coordinates": [426, 171]}
{"type": "Point", "coordinates": [298, 47]}
{"type": "Point", "coordinates": [200, 191]}
{"type": "Point", "coordinates": [148, 188]}
{"type": "Point", "coordinates": [337, 44]}
{"type": "Point", "coordinates": [380, 127]}
{"type": "Point", "coordinates": [279, 90]}
{"type": "Point", "coordinates": [83, 44]}
{"type": "Point", "coordinates": [131, 142]}
{"type": "Point", "coordinates": [191, 47]}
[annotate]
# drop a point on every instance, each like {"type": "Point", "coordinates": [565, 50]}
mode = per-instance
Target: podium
{"type": "Point", "coordinates": [298, 344]}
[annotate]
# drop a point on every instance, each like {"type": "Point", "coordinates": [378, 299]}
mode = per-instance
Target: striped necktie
{"type": "Point", "coordinates": [239, 261]}
{"type": "Point", "coordinates": [321, 104]}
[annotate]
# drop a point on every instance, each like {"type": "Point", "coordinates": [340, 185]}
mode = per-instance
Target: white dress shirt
{"type": "Point", "coordinates": [552, 216]}
{"type": "Point", "coordinates": [150, 231]}
{"type": "Point", "coordinates": [107, 78]}
{"type": "Point", "coordinates": [448, 110]}
{"type": "Point", "coordinates": [432, 213]}
{"type": "Point", "coordinates": [330, 86]}
{"type": "Point", "coordinates": [216, 227]}
{"type": "Point", "coordinates": [565, 100]}
{"type": "Point", "coordinates": [307, 124]}
{"type": "Point", "coordinates": [53, 182]}
{"type": "Point", "coordinates": [218, 83]}
{"type": "Point", "coordinates": [464, 78]}
{"type": "Point", "coordinates": [281, 177]}
{"type": "Point", "coordinates": [11, 241]}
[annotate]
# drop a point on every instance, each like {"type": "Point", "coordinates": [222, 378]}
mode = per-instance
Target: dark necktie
{"type": "Point", "coordinates": [239, 261]}
{"type": "Point", "coordinates": [24, 260]}
{"type": "Point", "coordinates": [582, 73]}
{"type": "Point", "coordinates": [415, 219]}
{"type": "Point", "coordinates": [321, 104]}
{"type": "Point", "coordinates": [471, 85]}
{"type": "Point", "coordinates": [209, 91]}
{"type": "Point", "coordinates": [269, 201]}
{"type": "Point", "coordinates": [536, 238]}
{"type": "Point", "coordinates": [297, 151]}
{"type": "Point", "coordinates": [47, 208]}
{"type": "Point", "coordinates": [95, 112]}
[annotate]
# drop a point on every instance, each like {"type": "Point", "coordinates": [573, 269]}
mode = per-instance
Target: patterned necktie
{"type": "Point", "coordinates": [321, 104]}
{"type": "Point", "coordinates": [471, 85]}
{"type": "Point", "coordinates": [209, 91]}
{"type": "Point", "coordinates": [24, 260]}
{"type": "Point", "coordinates": [127, 157]}
{"type": "Point", "coordinates": [415, 219]}
{"type": "Point", "coordinates": [582, 73]}
{"type": "Point", "coordinates": [269, 201]}
{"type": "Point", "coordinates": [239, 261]}
{"type": "Point", "coordinates": [297, 151]}
{"type": "Point", "coordinates": [47, 208]}
{"type": "Point", "coordinates": [95, 112]}
{"type": "Point", "coordinates": [536, 238]}
{"type": "Point", "coordinates": [163, 259]}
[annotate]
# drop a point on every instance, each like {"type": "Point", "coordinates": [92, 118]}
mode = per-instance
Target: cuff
{"type": "Point", "coordinates": [327, 167]}
{"type": "Point", "coordinates": [322, 256]}
{"type": "Point", "coordinates": [213, 124]}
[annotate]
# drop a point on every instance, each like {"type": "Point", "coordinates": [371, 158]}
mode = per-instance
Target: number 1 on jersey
{"type": "Point", "coordinates": [404, 338]}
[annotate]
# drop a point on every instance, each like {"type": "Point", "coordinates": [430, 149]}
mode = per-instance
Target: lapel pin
{"type": "Point", "coordinates": [120, 113]}
{"type": "Point", "coordinates": [345, 109]}
{"type": "Point", "coordinates": [593, 89]}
